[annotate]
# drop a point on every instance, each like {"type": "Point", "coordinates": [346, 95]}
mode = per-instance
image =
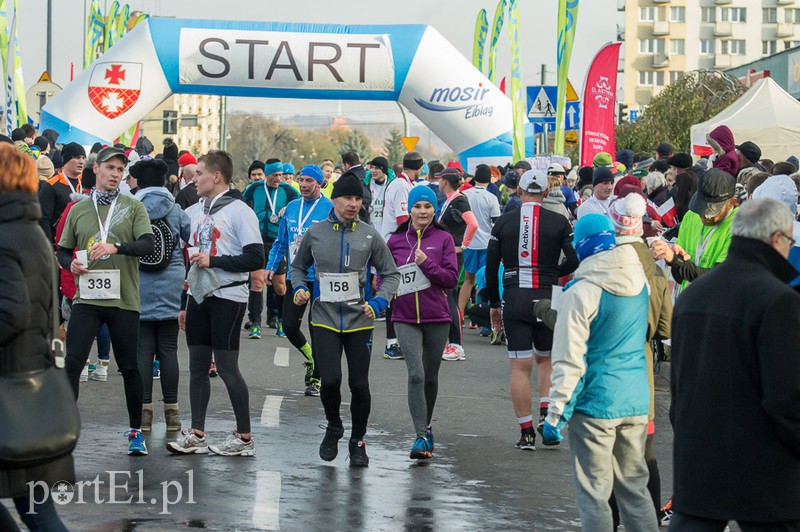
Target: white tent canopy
{"type": "Point", "coordinates": [766, 114]}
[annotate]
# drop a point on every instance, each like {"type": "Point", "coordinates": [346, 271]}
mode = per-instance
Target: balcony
{"type": "Point", "coordinates": [660, 60]}
{"type": "Point", "coordinates": [723, 29]}
{"type": "Point", "coordinates": [785, 2]}
{"type": "Point", "coordinates": [723, 2]}
{"type": "Point", "coordinates": [722, 61]}
{"type": "Point", "coordinates": [661, 27]}
{"type": "Point", "coordinates": [784, 29]}
{"type": "Point", "coordinates": [661, 1]}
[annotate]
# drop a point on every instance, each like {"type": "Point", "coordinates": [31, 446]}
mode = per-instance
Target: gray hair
{"type": "Point", "coordinates": [759, 219]}
{"type": "Point", "coordinates": [653, 180]}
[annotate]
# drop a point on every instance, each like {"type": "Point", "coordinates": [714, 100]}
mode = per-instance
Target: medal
{"type": "Point", "coordinates": [273, 218]}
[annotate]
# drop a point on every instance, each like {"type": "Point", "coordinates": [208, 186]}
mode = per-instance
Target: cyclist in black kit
{"type": "Point", "coordinates": [529, 242]}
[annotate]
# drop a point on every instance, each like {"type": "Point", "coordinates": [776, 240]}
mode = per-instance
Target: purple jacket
{"type": "Point", "coordinates": [728, 161]}
{"type": "Point", "coordinates": [441, 268]}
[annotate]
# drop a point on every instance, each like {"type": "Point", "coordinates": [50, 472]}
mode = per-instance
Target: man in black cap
{"type": "Point", "coordinates": [352, 166]}
{"type": "Point", "coordinates": [749, 154]}
{"type": "Point", "coordinates": [681, 162]}
{"type": "Point", "coordinates": [705, 231]}
{"type": "Point", "coordinates": [664, 151]}
{"type": "Point", "coordinates": [378, 183]}
{"type": "Point", "coordinates": [54, 194]}
{"type": "Point", "coordinates": [602, 191]}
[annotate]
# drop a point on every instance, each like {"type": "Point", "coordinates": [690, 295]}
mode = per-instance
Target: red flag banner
{"type": "Point", "coordinates": [599, 104]}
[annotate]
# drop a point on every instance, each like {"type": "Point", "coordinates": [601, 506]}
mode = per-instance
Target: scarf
{"type": "Point", "coordinates": [106, 197]}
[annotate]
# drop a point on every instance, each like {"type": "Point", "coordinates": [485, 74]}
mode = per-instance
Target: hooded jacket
{"type": "Point", "coordinates": [160, 292]}
{"type": "Point", "coordinates": [441, 268]}
{"type": "Point", "coordinates": [555, 202]}
{"type": "Point", "coordinates": [599, 367]}
{"type": "Point", "coordinates": [721, 139]}
{"type": "Point", "coordinates": [336, 247]}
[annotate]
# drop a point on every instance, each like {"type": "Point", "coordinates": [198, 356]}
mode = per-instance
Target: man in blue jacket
{"type": "Point", "coordinates": [300, 214]}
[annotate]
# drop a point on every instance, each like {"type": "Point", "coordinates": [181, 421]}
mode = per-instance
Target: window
{"type": "Point", "coordinates": [734, 14]}
{"type": "Point", "coordinates": [708, 14]}
{"type": "Point", "coordinates": [677, 47]}
{"type": "Point", "coordinates": [769, 47]}
{"type": "Point", "coordinates": [647, 14]}
{"type": "Point", "coordinates": [707, 46]}
{"type": "Point", "coordinates": [769, 15]}
{"type": "Point", "coordinates": [734, 47]}
{"type": "Point", "coordinates": [675, 76]}
{"type": "Point", "coordinates": [651, 46]}
{"type": "Point", "coordinates": [650, 78]}
{"type": "Point", "coordinates": [169, 123]}
{"type": "Point", "coordinates": [677, 14]}
{"type": "Point", "coordinates": [793, 16]}
{"type": "Point", "coordinates": [790, 44]}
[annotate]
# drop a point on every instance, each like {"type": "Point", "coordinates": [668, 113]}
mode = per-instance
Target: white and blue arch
{"type": "Point", "coordinates": [412, 64]}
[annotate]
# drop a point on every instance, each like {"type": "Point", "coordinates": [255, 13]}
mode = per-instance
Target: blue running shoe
{"type": "Point", "coordinates": [429, 435]}
{"type": "Point", "coordinates": [156, 369]}
{"type": "Point", "coordinates": [255, 332]}
{"type": "Point", "coordinates": [279, 331]}
{"type": "Point", "coordinates": [486, 331]}
{"type": "Point", "coordinates": [421, 450]}
{"type": "Point", "coordinates": [137, 446]}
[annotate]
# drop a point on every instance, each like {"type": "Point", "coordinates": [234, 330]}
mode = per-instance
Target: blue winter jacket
{"type": "Point", "coordinates": [290, 231]}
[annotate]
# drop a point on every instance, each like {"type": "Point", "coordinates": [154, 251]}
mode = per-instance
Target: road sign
{"type": "Point", "coordinates": [409, 143]}
{"type": "Point", "coordinates": [572, 96]}
{"type": "Point", "coordinates": [633, 115]}
{"type": "Point", "coordinates": [542, 104]}
{"type": "Point", "coordinates": [572, 117]}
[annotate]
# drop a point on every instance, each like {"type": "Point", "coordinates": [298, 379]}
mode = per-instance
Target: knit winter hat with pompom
{"type": "Point", "coordinates": [626, 214]}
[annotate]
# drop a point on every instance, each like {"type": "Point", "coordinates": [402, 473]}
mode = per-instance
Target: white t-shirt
{"type": "Point", "coordinates": [226, 232]}
{"type": "Point", "coordinates": [594, 205]}
{"type": "Point", "coordinates": [395, 204]}
{"type": "Point", "coordinates": [484, 206]}
{"type": "Point", "coordinates": [378, 191]}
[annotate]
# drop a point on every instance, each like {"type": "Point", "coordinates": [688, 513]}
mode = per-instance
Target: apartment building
{"type": "Point", "coordinates": [665, 38]}
{"type": "Point", "coordinates": [191, 120]}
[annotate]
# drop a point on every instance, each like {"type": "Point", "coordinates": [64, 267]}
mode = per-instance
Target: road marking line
{"type": "Point", "coordinates": [271, 411]}
{"type": "Point", "coordinates": [266, 512]}
{"type": "Point", "coordinates": [282, 357]}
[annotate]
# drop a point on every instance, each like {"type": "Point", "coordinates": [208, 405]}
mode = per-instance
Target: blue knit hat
{"type": "Point", "coordinates": [593, 233]}
{"type": "Point", "coordinates": [421, 193]}
{"type": "Point", "coordinates": [288, 168]}
{"type": "Point", "coordinates": [312, 170]}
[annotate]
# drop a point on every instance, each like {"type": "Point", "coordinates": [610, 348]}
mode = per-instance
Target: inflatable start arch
{"type": "Point", "coordinates": [412, 64]}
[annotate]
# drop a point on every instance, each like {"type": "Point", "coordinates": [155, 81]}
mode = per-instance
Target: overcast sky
{"type": "Point", "coordinates": [455, 19]}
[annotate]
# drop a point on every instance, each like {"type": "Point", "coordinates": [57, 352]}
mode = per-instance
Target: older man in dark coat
{"type": "Point", "coordinates": [736, 383]}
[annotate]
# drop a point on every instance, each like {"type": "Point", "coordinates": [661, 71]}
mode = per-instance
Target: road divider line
{"type": "Point", "coordinates": [271, 411]}
{"type": "Point", "coordinates": [266, 512]}
{"type": "Point", "coordinates": [282, 357]}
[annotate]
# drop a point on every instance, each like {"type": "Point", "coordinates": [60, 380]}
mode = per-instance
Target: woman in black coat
{"type": "Point", "coordinates": [26, 322]}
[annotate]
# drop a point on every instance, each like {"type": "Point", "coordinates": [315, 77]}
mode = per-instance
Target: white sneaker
{"type": "Point", "coordinates": [85, 373]}
{"type": "Point", "coordinates": [100, 373]}
{"type": "Point", "coordinates": [188, 443]}
{"type": "Point", "coordinates": [234, 446]}
{"type": "Point", "coordinates": [453, 352]}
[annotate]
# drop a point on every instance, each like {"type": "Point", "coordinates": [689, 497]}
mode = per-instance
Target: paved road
{"type": "Point", "coordinates": [476, 480]}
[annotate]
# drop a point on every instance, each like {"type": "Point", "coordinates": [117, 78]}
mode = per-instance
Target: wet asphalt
{"type": "Point", "coordinates": [476, 480]}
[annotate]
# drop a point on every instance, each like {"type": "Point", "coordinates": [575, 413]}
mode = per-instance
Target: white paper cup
{"type": "Point", "coordinates": [193, 250]}
{"type": "Point", "coordinates": [83, 257]}
{"type": "Point", "coordinates": [651, 239]}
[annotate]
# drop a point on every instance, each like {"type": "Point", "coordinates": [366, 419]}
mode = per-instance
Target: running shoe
{"type": "Point", "coordinates": [156, 370]}
{"type": "Point", "coordinates": [272, 323]}
{"type": "Point", "coordinates": [527, 441]}
{"type": "Point", "coordinates": [312, 390]}
{"type": "Point", "coordinates": [665, 514]}
{"type": "Point", "coordinates": [429, 436]}
{"type": "Point", "coordinates": [212, 371]}
{"type": "Point", "coordinates": [247, 325]}
{"type": "Point", "coordinates": [472, 325]}
{"type": "Point", "coordinates": [394, 353]}
{"type": "Point", "coordinates": [85, 374]}
{"type": "Point", "coordinates": [136, 444]}
{"type": "Point", "coordinates": [188, 442]}
{"type": "Point", "coordinates": [358, 453]}
{"type": "Point", "coordinates": [498, 338]}
{"type": "Point", "coordinates": [92, 367]}
{"type": "Point", "coordinates": [255, 332]}
{"type": "Point", "coordinates": [421, 450]}
{"type": "Point", "coordinates": [329, 447]}
{"type": "Point", "coordinates": [453, 352]}
{"type": "Point", "coordinates": [234, 445]}
{"type": "Point", "coordinates": [100, 372]}
{"type": "Point", "coordinates": [279, 331]}
{"type": "Point", "coordinates": [485, 331]}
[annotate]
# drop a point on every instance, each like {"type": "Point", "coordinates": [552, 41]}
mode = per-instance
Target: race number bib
{"type": "Point", "coordinates": [339, 287]}
{"type": "Point", "coordinates": [411, 279]}
{"type": "Point", "coordinates": [100, 284]}
{"type": "Point", "coordinates": [294, 247]}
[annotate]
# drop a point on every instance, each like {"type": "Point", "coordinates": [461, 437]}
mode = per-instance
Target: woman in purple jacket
{"type": "Point", "coordinates": [426, 258]}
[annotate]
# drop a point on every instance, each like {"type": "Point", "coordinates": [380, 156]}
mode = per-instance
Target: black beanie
{"type": "Point", "coordinates": [150, 173]}
{"type": "Point", "coordinates": [412, 160]}
{"type": "Point", "coordinates": [483, 174]}
{"type": "Point", "coordinates": [70, 151]}
{"type": "Point", "coordinates": [585, 175]}
{"type": "Point", "coordinates": [602, 175]}
{"type": "Point", "coordinates": [347, 185]}
{"type": "Point", "coordinates": [255, 165]}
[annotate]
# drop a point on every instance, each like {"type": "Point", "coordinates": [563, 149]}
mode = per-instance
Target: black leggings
{"type": "Point", "coordinates": [159, 338]}
{"type": "Point", "coordinates": [124, 328]}
{"type": "Point", "coordinates": [452, 300]}
{"type": "Point", "coordinates": [293, 320]}
{"type": "Point", "coordinates": [213, 326]}
{"type": "Point", "coordinates": [357, 349]}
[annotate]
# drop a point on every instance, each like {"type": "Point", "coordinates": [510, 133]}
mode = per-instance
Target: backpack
{"type": "Point", "coordinates": [165, 245]}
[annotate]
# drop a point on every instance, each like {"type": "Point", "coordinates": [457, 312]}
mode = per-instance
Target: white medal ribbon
{"type": "Point", "coordinates": [271, 201]}
{"type": "Point", "coordinates": [71, 188]}
{"type": "Point", "coordinates": [104, 228]}
{"type": "Point", "coordinates": [300, 215]}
